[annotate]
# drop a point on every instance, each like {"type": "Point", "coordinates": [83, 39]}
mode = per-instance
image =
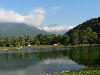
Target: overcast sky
{"type": "Point", "coordinates": [44, 13]}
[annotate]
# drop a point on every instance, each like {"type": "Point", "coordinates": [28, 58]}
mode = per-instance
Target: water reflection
{"type": "Point", "coordinates": [60, 64]}
{"type": "Point", "coordinates": [42, 61]}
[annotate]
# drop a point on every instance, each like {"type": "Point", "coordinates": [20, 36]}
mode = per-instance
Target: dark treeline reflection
{"type": "Point", "coordinates": [84, 55]}
{"type": "Point", "coordinates": [14, 61]}
{"type": "Point", "coordinates": [87, 56]}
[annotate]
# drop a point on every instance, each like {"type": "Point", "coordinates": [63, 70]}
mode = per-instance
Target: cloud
{"type": "Point", "coordinates": [53, 28]}
{"type": "Point", "coordinates": [36, 17]}
{"type": "Point", "coordinates": [56, 8]}
{"type": "Point", "coordinates": [39, 10]}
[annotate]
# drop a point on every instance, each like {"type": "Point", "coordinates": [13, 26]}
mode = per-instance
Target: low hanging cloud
{"type": "Point", "coordinates": [34, 18]}
{"type": "Point", "coordinates": [53, 28]}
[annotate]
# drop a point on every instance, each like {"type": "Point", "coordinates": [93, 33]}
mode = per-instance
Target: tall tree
{"type": "Point", "coordinates": [64, 39]}
{"type": "Point", "coordinates": [74, 37]}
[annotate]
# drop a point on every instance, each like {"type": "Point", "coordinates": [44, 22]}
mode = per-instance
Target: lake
{"type": "Point", "coordinates": [47, 60]}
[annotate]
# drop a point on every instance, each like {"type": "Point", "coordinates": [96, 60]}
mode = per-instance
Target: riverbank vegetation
{"type": "Point", "coordinates": [45, 46]}
{"type": "Point", "coordinates": [76, 38]}
{"type": "Point", "coordinates": [86, 33]}
{"type": "Point", "coordinates": [80, 72]}
{"type": "Point", "coordinates": [33, 46]}
{"type": "Point", "coordinates": [86, 71]}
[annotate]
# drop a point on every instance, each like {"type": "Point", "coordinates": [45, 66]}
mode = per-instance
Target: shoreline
{"type": "Point", "coordinates": [86, 71]}
{"type": "Point", "coordinates": [47, 46]}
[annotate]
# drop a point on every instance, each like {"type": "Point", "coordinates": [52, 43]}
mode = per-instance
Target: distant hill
{"type": "Point", "coordinates": [93, 23]}
{"type": "Point", "coordinates": [18, 29]}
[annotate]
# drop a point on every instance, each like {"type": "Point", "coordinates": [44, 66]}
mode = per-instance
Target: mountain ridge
{"type": "Point", "coordinates": [8, 29]}
{"type": "Point", "coordinates": [93, 23]}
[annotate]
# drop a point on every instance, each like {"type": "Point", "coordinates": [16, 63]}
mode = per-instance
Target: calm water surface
{"type": "Point", "coordinates": [46, 61]}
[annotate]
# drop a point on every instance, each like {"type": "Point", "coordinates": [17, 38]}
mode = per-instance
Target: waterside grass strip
{"type": "Point", "coordinates": [80, 72]}
{"type": "Point", "coordinates": [33, 46]}
{"type": "Point", "coordinates": [46, 46]}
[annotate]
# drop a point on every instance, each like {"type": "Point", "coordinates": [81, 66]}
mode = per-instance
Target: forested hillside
{"type": "Point", "coordinates": [86, 33]}
{"type": "Point", "coordinates": [93, 23]}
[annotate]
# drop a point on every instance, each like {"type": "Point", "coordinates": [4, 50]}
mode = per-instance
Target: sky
{"type": "Point", "coordinates": [49, 15]}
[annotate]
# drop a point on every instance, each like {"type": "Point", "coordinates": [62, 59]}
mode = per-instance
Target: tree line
{"type": "Point", "coordinates": [76, 37]}
{"type": "Point", "coordinates": [85, 36]}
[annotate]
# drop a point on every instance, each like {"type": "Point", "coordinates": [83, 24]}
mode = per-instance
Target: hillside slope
{"type": "Point", "coordinates": [18, 29]}
{"type": "Point", "coordinates": [93, 23]}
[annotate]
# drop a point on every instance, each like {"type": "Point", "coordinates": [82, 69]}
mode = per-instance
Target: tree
{"type": "Point", "coordinates": [91, 36]}
{"type": "Point", "coordinates": [64, 39]}
{"type": "Point", "coordinates": [35, 42]}
{"type": "Point", "coordinates": [82, 37]}
{"type": "Point", "coordinates": [47, 39]}
{"type": "Point", "coordinates": [74, 37]}
{"type": "Point", "coordinates": [26, 39]}
{"type": "Point", "coordinates": [14, 41]}
{"type": "Point", "coordinates": [6, 42]}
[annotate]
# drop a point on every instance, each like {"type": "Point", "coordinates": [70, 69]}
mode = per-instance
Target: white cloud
{"type": "Point", "coordinates": [54, 28]}
{"type": "Point", "coordinates": [31, 18]}
{"type": "Point", "coordinates": [56, 8]}
{"type": "Point", "coordinates": [35, 18]}
{"type": "Point", "coordinates": [39, 10]}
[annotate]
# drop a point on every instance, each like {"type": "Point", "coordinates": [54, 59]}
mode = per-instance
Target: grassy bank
{"type": "Point", "coordinates": [86, 71]}
{"type": "Point", "coordinates": [84, 45]}
{"type": "Point", "coordinates": [47, 46]}
{"type": "Point", "coordinates": [33, 46]}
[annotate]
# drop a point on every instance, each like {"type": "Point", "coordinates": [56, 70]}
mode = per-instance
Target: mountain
{"type": "Point", "coordinates": [18, 29]}
{"type": "Point", "coordinates": [93, 23]}
{"type": "Point", "coordinates": [62, 32]}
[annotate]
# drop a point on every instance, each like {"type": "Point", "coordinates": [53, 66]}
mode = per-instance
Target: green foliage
{"type": "Point", "coordinates": [47, 39]}
{"type": "Point", "coordinates": [64, 40]}
{"type": "Point", "coordinates": [74, 37]}
{"type": "Point", "coordinates": [93, 23]}
{"type": "Point", "coordinates": [80, 72]}
{"type": "Point", "coordinates": [35, 42]}
{"type": "Point", "coordinates": [85, 33]}
{"type": "Point", "coordinates": [87, 36]}
{"type": "Point", "coordinates": [50, 39]}
{"type": "Point", "coordinates": [15, 41]}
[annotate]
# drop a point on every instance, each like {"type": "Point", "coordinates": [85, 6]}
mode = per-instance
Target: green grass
{"type": "Point", "coordinates": [46, 46]}
{"type": "Point", "coordinates": [86, 71]}
{"type": "Point", "coordinates": [39, 46]}
{"type": "Point", "coordinates": [84, 45]}
{"type": "Point", "coordinates": [4, 48]}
